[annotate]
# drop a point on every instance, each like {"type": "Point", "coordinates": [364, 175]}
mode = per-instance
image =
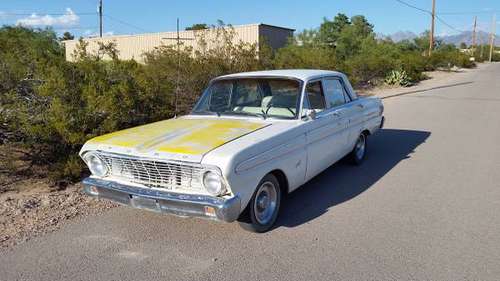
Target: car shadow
{"type": "Point", "coordinates": [343, 181]}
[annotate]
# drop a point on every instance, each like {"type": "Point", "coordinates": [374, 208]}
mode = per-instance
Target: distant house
{"type": "Point", "coordinates": [134, 46]}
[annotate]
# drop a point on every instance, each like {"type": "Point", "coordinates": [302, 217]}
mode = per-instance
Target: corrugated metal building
{"type": "Point", "coordinates": [134, 46]}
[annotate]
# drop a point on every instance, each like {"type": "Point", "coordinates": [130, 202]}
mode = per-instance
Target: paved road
{"type": "Point", "coordinates": [425, 205]}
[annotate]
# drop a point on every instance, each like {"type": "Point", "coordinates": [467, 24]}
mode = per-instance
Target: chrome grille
{"type": "Point", "coordinates": [155, 173]}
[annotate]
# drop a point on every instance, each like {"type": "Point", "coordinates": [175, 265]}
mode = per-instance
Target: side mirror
{"type": "Point", "coordinates": [310, 114]}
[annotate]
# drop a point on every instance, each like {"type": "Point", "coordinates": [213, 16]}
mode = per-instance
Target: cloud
{"type": "Point", "coordinates": [93, 33]}
{"type": "Point", "coordinates": [68, 19]}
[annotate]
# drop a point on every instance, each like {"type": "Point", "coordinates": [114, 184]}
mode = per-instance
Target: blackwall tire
{"type": "Point", "coordinates": [264, 206]}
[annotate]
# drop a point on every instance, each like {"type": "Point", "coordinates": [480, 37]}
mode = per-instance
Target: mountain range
{"type": "Point", "coordinates": [465, 37]}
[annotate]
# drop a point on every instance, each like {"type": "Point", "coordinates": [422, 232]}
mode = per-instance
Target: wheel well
{"type": "Point", "coordinates": [366, 132]}
{"type": "Point", "coordinates": [282, 180]}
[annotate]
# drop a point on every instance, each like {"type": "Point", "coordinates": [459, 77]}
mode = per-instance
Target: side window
{"type": "Point", "coordinates": [315, 97]}
{"type": "Point", "coordinates": [335, 93]}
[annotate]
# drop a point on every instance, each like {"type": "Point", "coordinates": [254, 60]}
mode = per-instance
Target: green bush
{"type": "Point", "coordinates": [314, 57]}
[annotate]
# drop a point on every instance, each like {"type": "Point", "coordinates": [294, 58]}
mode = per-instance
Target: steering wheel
{"type": "Point", "coordinates": [270, 105]}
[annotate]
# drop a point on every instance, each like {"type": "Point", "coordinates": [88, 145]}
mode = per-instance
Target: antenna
{"type": "Point", "coordinates": [177, 82]}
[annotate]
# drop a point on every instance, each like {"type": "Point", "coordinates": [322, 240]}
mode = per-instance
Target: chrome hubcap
{"type": "Point", "coordinates": [265, 202]}
{"type": "Point", "coordinates": [360, 146]}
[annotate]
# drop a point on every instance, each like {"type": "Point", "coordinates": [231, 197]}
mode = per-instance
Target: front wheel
{"type": "Point", "coordinates": [359, 151]}
{"type": "Point", "coordinates": [264, 206]}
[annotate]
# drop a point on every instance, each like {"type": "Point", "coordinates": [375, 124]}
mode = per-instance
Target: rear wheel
{"type": "Point", "coordinates": [359, 151]}
{"type": "Point", "coordinates": [263, 208]}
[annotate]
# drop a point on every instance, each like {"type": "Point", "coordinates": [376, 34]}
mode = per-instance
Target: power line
{"type": "Point", "coordinates": [468, 13]}
{"type": "Point", "coordinates": [46, 14]}
{"type": "Point", "coordinates": [76, 28]}
{"type": "Point", "coordinates": [125, 23]}
{"type": "Point", "coordinates": [430, 13]}
{"type": "Point", "coordinates": [446, 13]}
{"type": "Point", "coordinates": [414, 7]}
{"type": "Point", "coordinates": [448, 25]}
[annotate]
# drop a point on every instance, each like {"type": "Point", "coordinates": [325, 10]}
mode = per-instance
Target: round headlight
{"type": "Point", "coordinates": [96, 165]}
{"type": "Point", "coordinates": [213, 183]}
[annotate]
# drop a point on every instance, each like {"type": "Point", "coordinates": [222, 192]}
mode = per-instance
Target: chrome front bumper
{"type": "Point", "coordinates": [186, 205]}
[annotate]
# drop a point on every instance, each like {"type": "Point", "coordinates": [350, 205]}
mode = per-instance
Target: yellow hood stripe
{"type": "Point", "coordinates": [186, 136]}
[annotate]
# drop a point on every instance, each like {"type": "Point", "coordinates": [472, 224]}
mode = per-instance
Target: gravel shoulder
{"type": "Point", "coordinates": [437, 79]}
{"type": "Point", "coordinates": [33, 208]}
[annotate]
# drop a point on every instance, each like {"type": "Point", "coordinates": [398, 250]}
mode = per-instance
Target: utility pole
{"type": "Point", "coordinates": [431, 35]}
{"type": "Point", "coordinates": [177, 82]}
{"type": "Point", "coordinates": [492, 36]}
{"type": "Point", "coordinates": [474, 37]}
{"type": "Point", "coordinates": [100, 18]}
{"type": "Point", "coordinates": [482, 47]}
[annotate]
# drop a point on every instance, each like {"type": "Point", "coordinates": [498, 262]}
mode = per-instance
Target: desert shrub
{"type": "Point", "coordinates": [374, 61]}
{"type": "Point", "coordinates": [414, 64]}
{"type": "Point", "coordinates": [447, 59]}
{"type": "Point", "coordinates": [398, 77]}
{"type": "Point", "coordinates": [312, 57]}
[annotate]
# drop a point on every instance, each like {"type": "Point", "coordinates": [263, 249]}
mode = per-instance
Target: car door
{"type": "Point", "coordinates": [326, 133]}
{"type": "Point", "coordinates": [352, 110]}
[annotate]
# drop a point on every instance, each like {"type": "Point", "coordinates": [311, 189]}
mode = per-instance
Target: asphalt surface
{"type": "Point", "coordinates": [424, 205]}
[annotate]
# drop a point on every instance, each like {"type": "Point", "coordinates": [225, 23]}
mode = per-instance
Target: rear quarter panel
{"type": "Point", "coordinates": [373, 113]}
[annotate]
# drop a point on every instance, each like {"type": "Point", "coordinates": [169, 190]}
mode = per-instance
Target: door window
{"type": "Point", "coordinates": [315, 97]}
{"type": "Point", "coordinates": [335, 93]}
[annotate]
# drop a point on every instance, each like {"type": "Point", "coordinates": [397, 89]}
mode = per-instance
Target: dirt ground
{"type": "Point", "coordinates": [31, 205]}
{"type": "Point", "coordinates": [435, 79]}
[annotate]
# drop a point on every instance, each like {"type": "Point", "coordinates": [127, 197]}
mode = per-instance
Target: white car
{"type": "Point", "coordinates": [251, 138]}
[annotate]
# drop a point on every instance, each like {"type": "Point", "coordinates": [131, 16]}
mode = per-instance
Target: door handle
{"type": "Point", "coordinates": [360, 105]}
{"type": "Point", "coordinates": [336, 114]}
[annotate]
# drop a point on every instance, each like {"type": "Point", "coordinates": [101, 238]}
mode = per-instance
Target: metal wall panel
{"type": "Point", "coordinates": [134, 46]}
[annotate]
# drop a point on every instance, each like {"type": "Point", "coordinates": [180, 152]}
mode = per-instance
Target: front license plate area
{"type": "Point", "coordinates": [144, 203]}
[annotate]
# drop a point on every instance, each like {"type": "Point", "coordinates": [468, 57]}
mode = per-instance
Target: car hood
{"type": "Point", "coordinates": [187, 139]}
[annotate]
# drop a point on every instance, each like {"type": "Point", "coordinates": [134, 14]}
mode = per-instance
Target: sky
{"type": "Point", "coordinates": [132, 17]}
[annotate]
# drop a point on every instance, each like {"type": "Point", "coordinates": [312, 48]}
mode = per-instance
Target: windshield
{"type": "Point", "coordinates": [266, 97]}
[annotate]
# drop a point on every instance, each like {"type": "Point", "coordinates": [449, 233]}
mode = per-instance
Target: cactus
{"type": "Point", "coordinates": [398, 77]}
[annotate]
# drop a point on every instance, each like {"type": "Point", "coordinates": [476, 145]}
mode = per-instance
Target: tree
{"type": "Point", "coordinates": [361, 26]}
{"type": "Point", "coordinates": [67, 36]}
{"type": "Point", "coordinates": [329, 31]}
{"type": "Point", "coordinates": [308, 37]}
{"type": "Point", "coordinates": [422, 42]}
{"type": "Point", "coordinates": [463, 45]}
{"type": "Point", "coordinates": [351, 37]}
{"type": "Point", "coordinates": [197, 26]}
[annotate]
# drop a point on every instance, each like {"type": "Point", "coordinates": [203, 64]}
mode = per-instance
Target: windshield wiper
{"type": "Point", "coordinates": [244, 113]}
{"type": "Point", "coordinates": [207, 112]}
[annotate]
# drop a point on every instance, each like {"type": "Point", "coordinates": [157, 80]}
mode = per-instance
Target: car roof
{"type": "Point", "coordinates": [302, 74]}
